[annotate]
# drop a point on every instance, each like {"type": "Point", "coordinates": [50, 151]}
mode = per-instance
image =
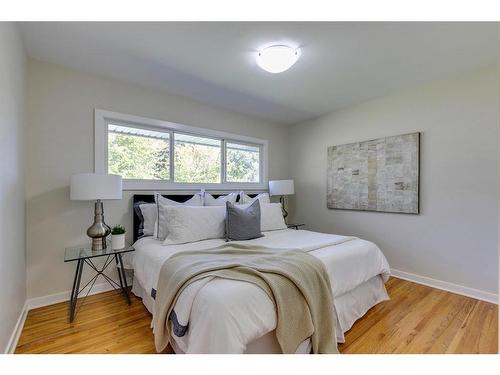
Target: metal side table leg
{"type": "Point", "coordinates": [75, 290]}
{"type": "Point", "coordinates": [118, 269]}
{"type": "Point", "coordinates": [124, 286]}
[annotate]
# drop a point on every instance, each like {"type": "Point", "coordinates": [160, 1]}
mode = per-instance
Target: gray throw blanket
{"type": "Point", "coordinates": [295, 281]}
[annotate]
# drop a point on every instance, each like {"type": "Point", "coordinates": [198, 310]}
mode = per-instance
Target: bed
{"type": "Point", "coordinates": [229, 316]}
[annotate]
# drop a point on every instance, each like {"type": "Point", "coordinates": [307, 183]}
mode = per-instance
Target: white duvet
{"type": "Point", "coordinates": [225, 315]}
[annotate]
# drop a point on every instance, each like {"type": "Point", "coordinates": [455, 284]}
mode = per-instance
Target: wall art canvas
{"type": "Point", "coordinates": [377, 175]}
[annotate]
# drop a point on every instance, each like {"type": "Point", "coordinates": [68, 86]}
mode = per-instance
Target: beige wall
{"type": "Point", "coordinates": [60, 126]}
{"type": "Point", "coordinates": [12, 207]}
{"type": "Point", "coordinates": [454, 239]}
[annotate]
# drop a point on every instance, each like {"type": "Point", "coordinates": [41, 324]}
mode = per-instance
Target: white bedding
{"type": "Point", "coordinates": [225, 315]}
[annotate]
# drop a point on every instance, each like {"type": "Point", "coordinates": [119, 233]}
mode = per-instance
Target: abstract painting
{"type": "Point", "coordinates": [377, 175]}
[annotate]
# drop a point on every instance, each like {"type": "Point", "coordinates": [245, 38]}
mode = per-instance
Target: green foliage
{"type": "Point", "coordinates": [118, 229]}
{"type": "Point", "coordinates": [242, 166]}
{"type": "Point", "coordinates": [138, 157]}
{"type": "Point", "coordinates": [197, 163]}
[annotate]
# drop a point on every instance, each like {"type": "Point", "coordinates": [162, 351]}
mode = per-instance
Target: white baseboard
{"type": "Point", "coordinates": [51, 299]}
{"type": "Point", "coordinates": [444, 285]}
{"type": "Point", "coordinates": [34, 303]}
{"type": "Point", "coordinates": [18, 328]}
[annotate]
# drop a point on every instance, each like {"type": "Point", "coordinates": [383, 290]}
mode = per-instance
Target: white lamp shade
{"type": "Point", "coordinates": [281, 187]}
{"type": "Point", "coordinates": [93, 186]}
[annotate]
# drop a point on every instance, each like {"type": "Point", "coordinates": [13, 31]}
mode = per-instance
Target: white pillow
{"type": "Point", "coordinates": [149, 213]}
{"type": "Point", "coordinates": [195, 200]}
{"type": "Point", "coordinates": [220, 201]}
{"type": "Point", "coordinates": [271, 216]}
{"type": "Point", "coordinates": [263, 198]}
{"type": "Point", "coordinates": [160, 230]}
{"type": "Point", "coordinates": [189, 224]}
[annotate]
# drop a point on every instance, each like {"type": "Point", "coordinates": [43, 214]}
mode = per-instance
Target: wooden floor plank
{"type": "Point", "coordinates": [417, 319]}
{"type": "Point", "coordinates": [378, 326]}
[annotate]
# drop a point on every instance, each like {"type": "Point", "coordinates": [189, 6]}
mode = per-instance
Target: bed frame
{"type": "Point", "coordinates": [150, 198]}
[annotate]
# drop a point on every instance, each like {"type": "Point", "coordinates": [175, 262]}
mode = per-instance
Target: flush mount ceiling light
{"type": "Point", "coordinates": [277, 58]}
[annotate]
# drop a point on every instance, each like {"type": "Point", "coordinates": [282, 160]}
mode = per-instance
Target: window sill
{"type": "Point", "coordinates": [168, 185]}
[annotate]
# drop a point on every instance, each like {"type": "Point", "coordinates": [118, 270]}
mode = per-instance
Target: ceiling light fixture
{"type": "Point", "coordinates": [277, 58]}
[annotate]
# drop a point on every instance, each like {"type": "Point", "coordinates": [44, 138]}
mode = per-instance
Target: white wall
{"type": "Point", "coordinates": [60, 136]}
{"type": "Point", "coordinates": [454, 239]}
{"type": "Point", "coordinates": [12, 207]}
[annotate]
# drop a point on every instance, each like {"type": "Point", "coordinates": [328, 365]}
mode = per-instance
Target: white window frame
{"type": "Point", "coordinates": [103, 117]}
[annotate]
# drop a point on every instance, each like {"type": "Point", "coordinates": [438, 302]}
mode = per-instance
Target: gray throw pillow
{"type": "Point", "coordinates": [242, 223]}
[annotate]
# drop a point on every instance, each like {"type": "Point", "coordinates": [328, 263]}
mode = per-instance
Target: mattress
{"type": "Point", "coordinates": [357, 271]}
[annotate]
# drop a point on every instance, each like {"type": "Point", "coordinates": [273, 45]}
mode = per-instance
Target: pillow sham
{"type": "Point", "coordinates": [263, 198]}
{"type": "Point", "coordinates": [243, 223]}
{"type": "Point", "coordinates": [220, 201]}
{"type": "Point", "coordinates": [190, 224]}
{"type": "Point", "coordinates": [271, 217]}
{"type": "Point", "coordinates": [147, 213]}
{"type": "Point", "coordinates": [195, 200]}
{"type": "Point", "coordinates": [161, 202]}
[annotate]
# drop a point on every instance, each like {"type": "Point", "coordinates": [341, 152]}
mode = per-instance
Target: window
{"type": "Point", "coordinates": [153, 154]}
{"type": "Point", "coordinates": [197, 159]}
{"type": "Point", "coordinates": [139, 154]}
{"type": "Point", "coordinates": [243, 162]}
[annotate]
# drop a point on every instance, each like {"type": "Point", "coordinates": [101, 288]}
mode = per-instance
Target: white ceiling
{"type": "Point", "coordinates": [341, 63]}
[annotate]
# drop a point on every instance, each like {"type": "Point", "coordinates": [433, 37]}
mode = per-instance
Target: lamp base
{"type": "Point", "coordinates": [98, 244]}
{"type": "Point", "coordinates": [98, 231]}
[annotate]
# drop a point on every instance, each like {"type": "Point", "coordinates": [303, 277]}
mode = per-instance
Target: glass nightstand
{"type": "Point", "coordinates": [84, 255]}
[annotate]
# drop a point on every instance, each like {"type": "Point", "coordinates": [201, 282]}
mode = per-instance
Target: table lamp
{"type": "Point", "coordinates": [96, 187]}
{"type": "Point", "coordinates": [282, 188]}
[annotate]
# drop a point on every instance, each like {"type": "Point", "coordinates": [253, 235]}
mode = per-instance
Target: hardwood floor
{"type": "Point", "coordinates": [417, 319]}
{"type": "Point", "coordinates": [420, 319]}
{"type": "Point", "coordinates": [104, 324]}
